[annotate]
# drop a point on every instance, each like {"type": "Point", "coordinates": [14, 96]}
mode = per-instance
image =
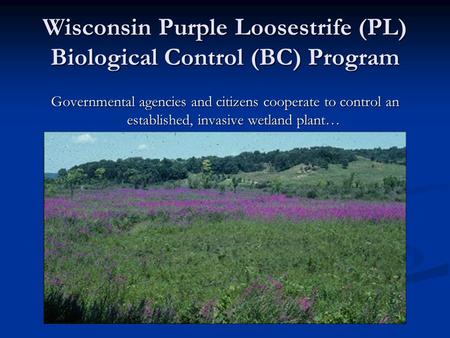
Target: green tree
{"type": "Point", "coordinates": [347, 183]}
{"type": "Point", "coordinates": [390, 183]}
{"type": "Point", "coordinates": [73, 179]}
{"type": "Point", "coordinates": [275, 186]}
{"type": "Point", "coordinates": [235, 183]}
{"type": "Point", "coordinates": [207, 174]}
{"type": "Point", "coordinates": [194, 182]}
{"type": "Point", "coordinates": [135, 177]}
{"type": "Point", "coordinates": [100, 175]}
{"type": "Point", "coordinates": [62, 173]}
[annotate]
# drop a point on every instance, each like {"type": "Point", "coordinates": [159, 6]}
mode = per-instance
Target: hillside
{"type": "Point", "coordinates": [361, 179]}
{"type": "Point", "coordinates": [365, 170]}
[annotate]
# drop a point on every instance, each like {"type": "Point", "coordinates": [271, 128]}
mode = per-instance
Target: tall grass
{"type": "Point", "coordinates": [212, 268]}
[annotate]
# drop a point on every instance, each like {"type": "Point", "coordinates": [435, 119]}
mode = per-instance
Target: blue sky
{"type": "Point", "coordinates": [64, 150]}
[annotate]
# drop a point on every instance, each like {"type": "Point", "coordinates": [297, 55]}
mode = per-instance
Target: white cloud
{"type": "Point", "coordinates": [143, 147]}
{"type": "Point", "coordinates": [84, 138]}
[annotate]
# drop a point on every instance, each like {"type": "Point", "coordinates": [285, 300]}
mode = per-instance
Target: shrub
{"type": "Point", "coordinates": [311, 194]}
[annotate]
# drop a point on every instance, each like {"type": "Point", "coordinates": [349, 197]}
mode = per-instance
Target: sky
{"type": "Point", "coordinates": [64, 149]}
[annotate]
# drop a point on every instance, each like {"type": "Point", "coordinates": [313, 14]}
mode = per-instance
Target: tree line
{"type": "Point", "coordinates": [138, 171]}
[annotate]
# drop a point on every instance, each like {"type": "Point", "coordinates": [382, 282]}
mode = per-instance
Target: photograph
{"type": "Point", "coordinates": [224, 227]}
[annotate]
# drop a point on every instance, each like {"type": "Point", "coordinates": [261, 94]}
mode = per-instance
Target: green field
{"type": "Point", "coordinates": [247, 270]}
{"type": "Point", "coordinates": [149, 241]}
{"type": "Point", "coordinates": [361, 179]}
{"type": "Point", "coordinates": [365, 170]}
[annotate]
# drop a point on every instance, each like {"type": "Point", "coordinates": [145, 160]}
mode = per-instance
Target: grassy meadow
{"type": "Point", "coordinates": [182, 255]}
{"type": "Point", "coordinates": [365, 170]}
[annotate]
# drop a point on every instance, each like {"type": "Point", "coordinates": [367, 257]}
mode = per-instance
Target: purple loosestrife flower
{"type": "Point", "coordinates": [178, 204]}
{"type": "Point", "coordinates": [149, 311]}
{"type": "Point", "coordinates": [305, 304]}
{"type": "Point", "coordinates": [254, 289]}
{"type": "Point", "coordinates": [384, 320]}
{"type": "Point", "coordinates": [276, 283]}
{"type": "Point", "coordinates": [84, 230]}
{"type": "Point", "coordinates": [207, 310]}
{"type": "Point", "coordinates": [48, 252]}
{"type": "Point", "coordinates": [55, 281]}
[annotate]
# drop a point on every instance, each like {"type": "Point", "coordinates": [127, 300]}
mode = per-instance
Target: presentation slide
{"type": "Point", "coordinates": [225, 168]}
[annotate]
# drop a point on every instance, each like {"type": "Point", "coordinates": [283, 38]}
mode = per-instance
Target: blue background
{"type": "Point", "coordinates": [28, 82]}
